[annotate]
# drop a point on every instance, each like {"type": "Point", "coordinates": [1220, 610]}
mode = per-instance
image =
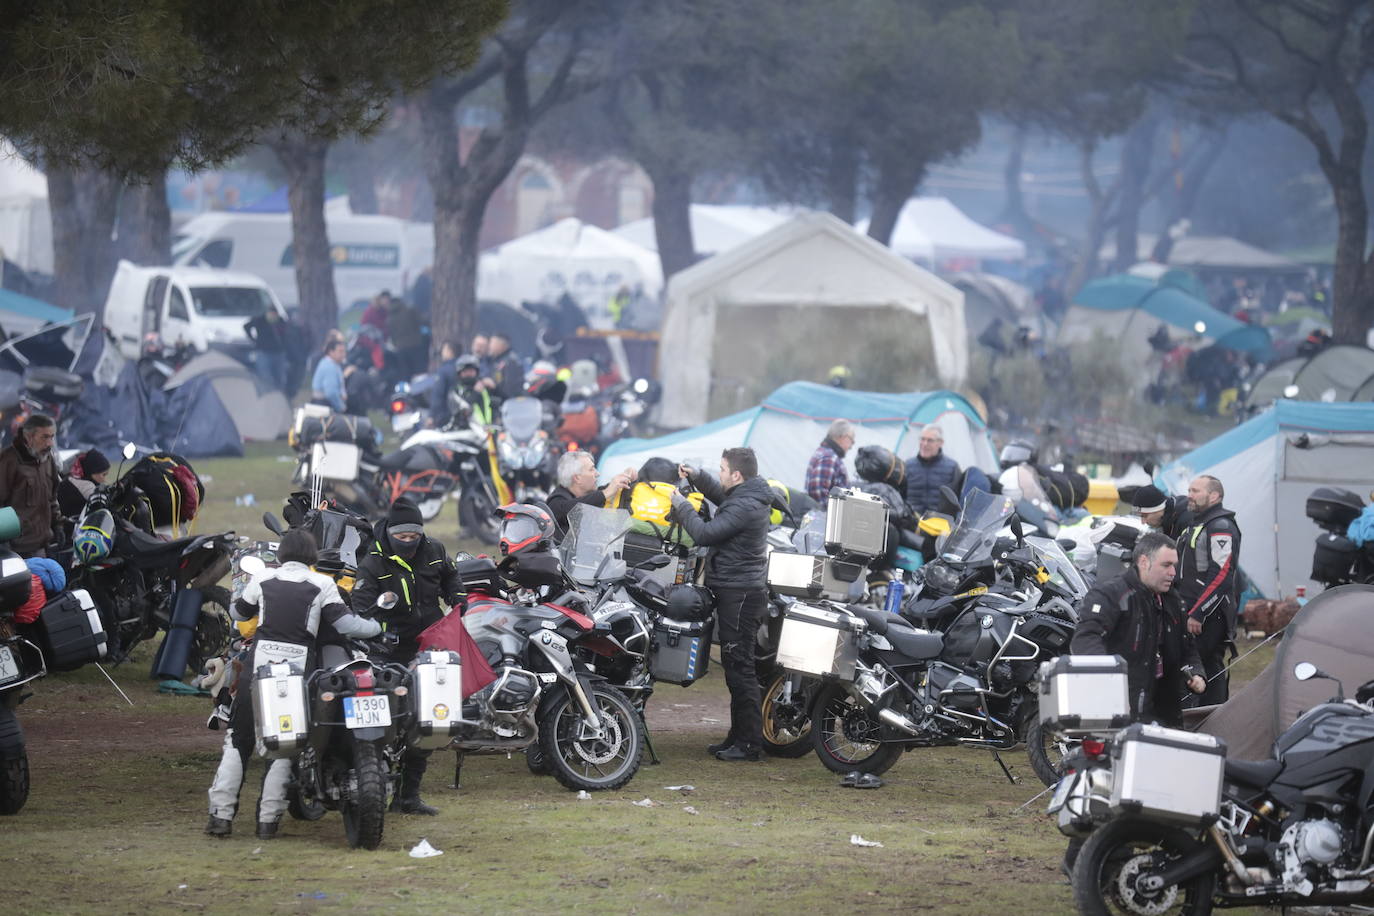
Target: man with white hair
{"type": "Point", "coordinates": [928, 471]}
{"type": "Point", "coordinates": [826, 470]}
{"type": "Point", "coordinates": [577, 484]}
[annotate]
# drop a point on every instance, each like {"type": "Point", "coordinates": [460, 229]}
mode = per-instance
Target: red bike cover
{"type": "Point", "coordinates": [450, 635]}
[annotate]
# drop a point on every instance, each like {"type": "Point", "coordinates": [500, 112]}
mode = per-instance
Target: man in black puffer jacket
{"type": "Point", "coordinates": [736, 573]}
{"type": "Point", "coordinates": [403, 560]}
{"type": "Point", "coordinates": [928, 471]}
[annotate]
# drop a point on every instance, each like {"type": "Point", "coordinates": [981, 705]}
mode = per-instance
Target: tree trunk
{"type": "Point", "coordinates": [1096, 233]}
{"type": "Point", "coordinates": [1351, 290]}
{"type": "Point", "coordinates": [1186, 194]}
{"type": "Point", "coordinates": [897, 181]}
{"type": "Point", "coordinates": [1014, 209]}
{"type": "Point", "coordinates": [673, 219]}
{"type": "Point", "coordinates": [1136, 155]}
{"type": "Point", "coordinates": [303, 159]}
{"type": "Point", "coordinates": [145, 224]}
{"type": "Point", "coordinates": [842, 181]}
{"type": "Point", "coordinates": [83, 204]}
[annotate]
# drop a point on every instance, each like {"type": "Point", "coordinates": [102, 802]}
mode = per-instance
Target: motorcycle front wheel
{"type": "Point", "coordinates": [214, 630]}
{"type": "Point", "coordinates": [846, 735]}
{"type": "Point", "coordinates": [475, 508]}
{"type": "Point", "coordinates": [365, 810]}
{"type": "Point", "coordinates": [787, 723]}
{"type": "Point", "coordinates": [14, 763]}
{"type": "Point", "coordinates": [1118, 853]}
{"type": "Point", "coordinates": [582, 758]}
{"type": "Point", "coordinates": [1044, 749]}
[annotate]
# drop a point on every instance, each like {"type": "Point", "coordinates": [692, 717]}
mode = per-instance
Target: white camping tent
{"type": "Point", "coordinates": [765, 300]}
{"type": "Point", "coordinates": [259, 412]}
{"type": "Point", "coordinates": [786, 428]}
{"type": "Point", "coordinates": [568, 257]}
{"type": "Point", "coordinates": [715, 227]}
{"type": "Point", "coordinates": [931, 229]}
{"type": "Point", "coordinates": [1269, 465]}
{"type": "Point", "coordinates": [1219, 252]}
{"type": "Point", "coordinates": [25, 226]}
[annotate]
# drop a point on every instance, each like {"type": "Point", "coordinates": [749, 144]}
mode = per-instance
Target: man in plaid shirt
{"type": "Point", "coordinates": [826, 468]}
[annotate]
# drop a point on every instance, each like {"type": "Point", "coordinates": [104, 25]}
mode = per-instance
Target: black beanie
{"type": "Point", "coordinates": [1148, 499]}
{"type": "Point", "coordinates": [93, 462]}
{"type": "Point", "coordinates": [403, 514]}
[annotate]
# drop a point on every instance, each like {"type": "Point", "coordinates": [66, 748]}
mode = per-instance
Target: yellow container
{"type": "Point", "coordinates": [651, 502]}
{"type": "Point", "coordinates": [1102, 497]}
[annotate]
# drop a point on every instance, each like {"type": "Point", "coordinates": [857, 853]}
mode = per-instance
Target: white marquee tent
{"type": "Point", "coordinates": [25, 226]}
{"type": "Point", "coordinates": [1269, 465]}
{"type": "Point", "coordinates": [931, 229]}
{"type": "Point", "coordinates": [801, 272]}
{"type": "Point", "coordinates": [715, 227]}
{"type": "Point", "coordinates": [570, 256]}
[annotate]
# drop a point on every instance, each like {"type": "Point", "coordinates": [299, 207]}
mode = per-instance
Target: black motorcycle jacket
{"type": "Point", "coordinates": [738, 533]}
{"type": "Point", "coordinates": [425, 583]}
{"type": "Point", "coordinates": [1208, 557]}
{"type": "Point", "coordinates": [1177, 517]}
{"type": "Point", "coordinates": [1120, 616]}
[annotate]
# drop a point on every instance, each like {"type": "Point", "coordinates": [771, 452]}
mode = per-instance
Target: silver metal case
{"type": "Point", "coordinates": [1084, 694]}
{"type": "Point", "coordinates": [279, 712]}
{"type": "Point", "coordinates": [436, 690]}
{"type": "Point", "coordinates": [819, 642]}
{"type": "Point", "coordinates": [1167, 775]}
{"type": "Point", "coordinates": [855, 524]}
{"type": "Point", "coordinates": [802, 575]}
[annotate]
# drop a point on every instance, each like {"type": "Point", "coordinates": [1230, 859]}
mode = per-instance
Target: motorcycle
{"type": "Point", "coordinates": [590, 735]}
{"type": "Point", "coordinates": [1295, 830]}
{"type": "Point", "coordinates": [524, 454]}
{"type": "Point", "coordinates": [21, 662]}
{"type": "Point", "coordinates": [892, 687]}
{"type": "Point", "coordinates": [1337, 560]}
{"type": "Point", "coordinates": [143, 585]}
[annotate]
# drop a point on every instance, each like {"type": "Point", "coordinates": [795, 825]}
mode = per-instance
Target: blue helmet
{"type": "Point", "coordinates": [95, 538]}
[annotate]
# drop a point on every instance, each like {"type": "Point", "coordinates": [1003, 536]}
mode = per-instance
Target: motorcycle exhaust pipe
{"type": "Point", "coordinates": [897, 720]}
{"type": "Point", "coordinates": [1198, 862]}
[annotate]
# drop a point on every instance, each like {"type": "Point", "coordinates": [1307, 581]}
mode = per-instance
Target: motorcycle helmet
{"type": "Point", "coordinates": [95, 538]}
{"type": "Point", "coordinates": [468, 369]}
{"type": "Point", "coordinates": [1017, 451]}
{"type": "Point", "coordinates": [525, 528]}
{"type": "Point", "coordinates": [689, 603]}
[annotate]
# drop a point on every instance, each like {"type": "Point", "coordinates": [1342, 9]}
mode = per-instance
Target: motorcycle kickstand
{"type": "Point", "coordinates": [1006, 772]}
{"type": "Point", "coordinates": [649, 741]}
{"type": "Point", "coordinates": [457, 770]}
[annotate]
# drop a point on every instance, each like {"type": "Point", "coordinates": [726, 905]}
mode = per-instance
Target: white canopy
{"type": "Point", "coordinates": [25, 226]}
{"type": "Point", "coordinates": [1207, 251]}
{"type": "Point", "coordinates": [570, 256]}
{"type": "Point", "coordinates": [932, 229]}
{"type": "Point", "coordinates": [792, 278]}
{"type": "Point", "coordinates": [715, 227]}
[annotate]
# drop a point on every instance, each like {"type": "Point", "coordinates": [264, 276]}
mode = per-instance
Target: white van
{"type": "Point", "coordinates": [370, 253]}
{"type": "Point", "coordinates": [192, 304]}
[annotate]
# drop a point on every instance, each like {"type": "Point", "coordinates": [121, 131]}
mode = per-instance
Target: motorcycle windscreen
{"type": "Point", "coordinates": [975, 533]}
{"type": "Point", "coordinates": [521, 418]}
{"type": "Point", "coordinates": [592, 548]}
{"type": "Point", "coordinates": [1062, 570]}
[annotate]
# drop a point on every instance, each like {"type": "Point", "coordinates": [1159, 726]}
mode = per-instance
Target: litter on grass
{"type": "Point", "coordinates": [681, 788]}
{"type": "Point", "coordinates": [645, 803]}
{"type": "Point", "coordinates": [690, 810]}
{"type": "Point", "coordinates": [583, 795]}
{"type": "Point", "coordinates": [856, 840]}
{"type": "Point", "coordinates": [423, 850]}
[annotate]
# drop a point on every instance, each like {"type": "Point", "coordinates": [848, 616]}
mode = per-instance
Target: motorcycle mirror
{"type": "Point", "coordinates": [657, 561]}
{"type": "Point", "coordinates": [1305, 671]}
{"type": "Point", "coordinates": [1016, 530]}
{"type": "Point", "coordinates": [271, 523]}
{"type": "Point", "coordinates": [253, 566]}
{"type": "Point", "coordinates": [129, 450]}
{"type": "Point", "coordinates": [949, 495]}
{"type": "Point", "coordinates": [387, 600]}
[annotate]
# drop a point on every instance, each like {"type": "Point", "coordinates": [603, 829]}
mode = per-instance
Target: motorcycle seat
{"type": "Point", "coordinates": [149, 552]}
{"type": "Point", "coordinates": [395, 461]}
{"type": "Point", "coordinates": [916, 644]}
{"type": "Point", "coordinates": [1255, 774]}
{"type": "Point", "coordinates": [878, 621]}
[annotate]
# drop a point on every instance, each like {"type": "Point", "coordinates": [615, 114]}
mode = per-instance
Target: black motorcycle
{"type": "Point", "coordinates": [1294, 830]}
{"type": "Point", "coordinates": [20, 663]}
{"type": "Point", "coordinates": [1336, 559]}
{"type": "Point", "coordinates": [891, 686]}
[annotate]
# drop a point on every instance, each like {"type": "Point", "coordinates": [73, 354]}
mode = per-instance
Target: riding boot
{"type": "Point", "coordinates": [407, 800]}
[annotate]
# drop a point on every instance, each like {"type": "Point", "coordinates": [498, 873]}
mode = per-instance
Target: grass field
{"type": "Point", "coordinates": [114, 821]}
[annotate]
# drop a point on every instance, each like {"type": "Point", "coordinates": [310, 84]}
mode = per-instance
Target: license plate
{"type": "Point", "coordinates": [367, 712]}
{"type": "Point", "coordinates": [1061, 793]}
{"type": "Point", "coordinates": [9, 668]}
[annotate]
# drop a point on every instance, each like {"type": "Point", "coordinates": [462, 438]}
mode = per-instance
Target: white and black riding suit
{"type": "Point", "coordinates": [293, 604]}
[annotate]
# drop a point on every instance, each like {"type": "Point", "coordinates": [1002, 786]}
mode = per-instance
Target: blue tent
{"type": "Point", "coordinates": [1268, 466]}
{"type": "Point", "coordinates": [788, 426]}
{"type": "Point", "coordinates": [1168, 303]}
{"type": "Point", "coordinates": [21, 314]}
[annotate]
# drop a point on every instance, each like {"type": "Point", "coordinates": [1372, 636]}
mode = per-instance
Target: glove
{"type": "Point", "coordinates": [390, 640]}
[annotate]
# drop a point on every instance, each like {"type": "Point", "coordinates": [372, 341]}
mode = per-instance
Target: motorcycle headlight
{"type": "Point", "coordinates": [631, 410]}
{"type": "Point", "coordinates": [508, 450]}
{"type": "Point", "coordinates": [536, 451]}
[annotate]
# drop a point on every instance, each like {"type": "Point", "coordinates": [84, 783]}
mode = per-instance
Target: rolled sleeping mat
{"type": "Point", "coordinates": [181, 636]}
{"type": "Point", "coordinates": [9, 524]}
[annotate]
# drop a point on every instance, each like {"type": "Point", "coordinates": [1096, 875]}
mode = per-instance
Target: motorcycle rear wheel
{"type": "Point", "coordinates": [365, 811]}
{"type": "Point", "coordinates": [838, 725]}
{"type": "Point", "coordinates": [591, 763]}
{"type": "Point", "coordinates": [14, 764]}
{"type": "Point", "coordinates": [1101, 875]}
{"type": "Point", "coordinates": [786, 726]}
